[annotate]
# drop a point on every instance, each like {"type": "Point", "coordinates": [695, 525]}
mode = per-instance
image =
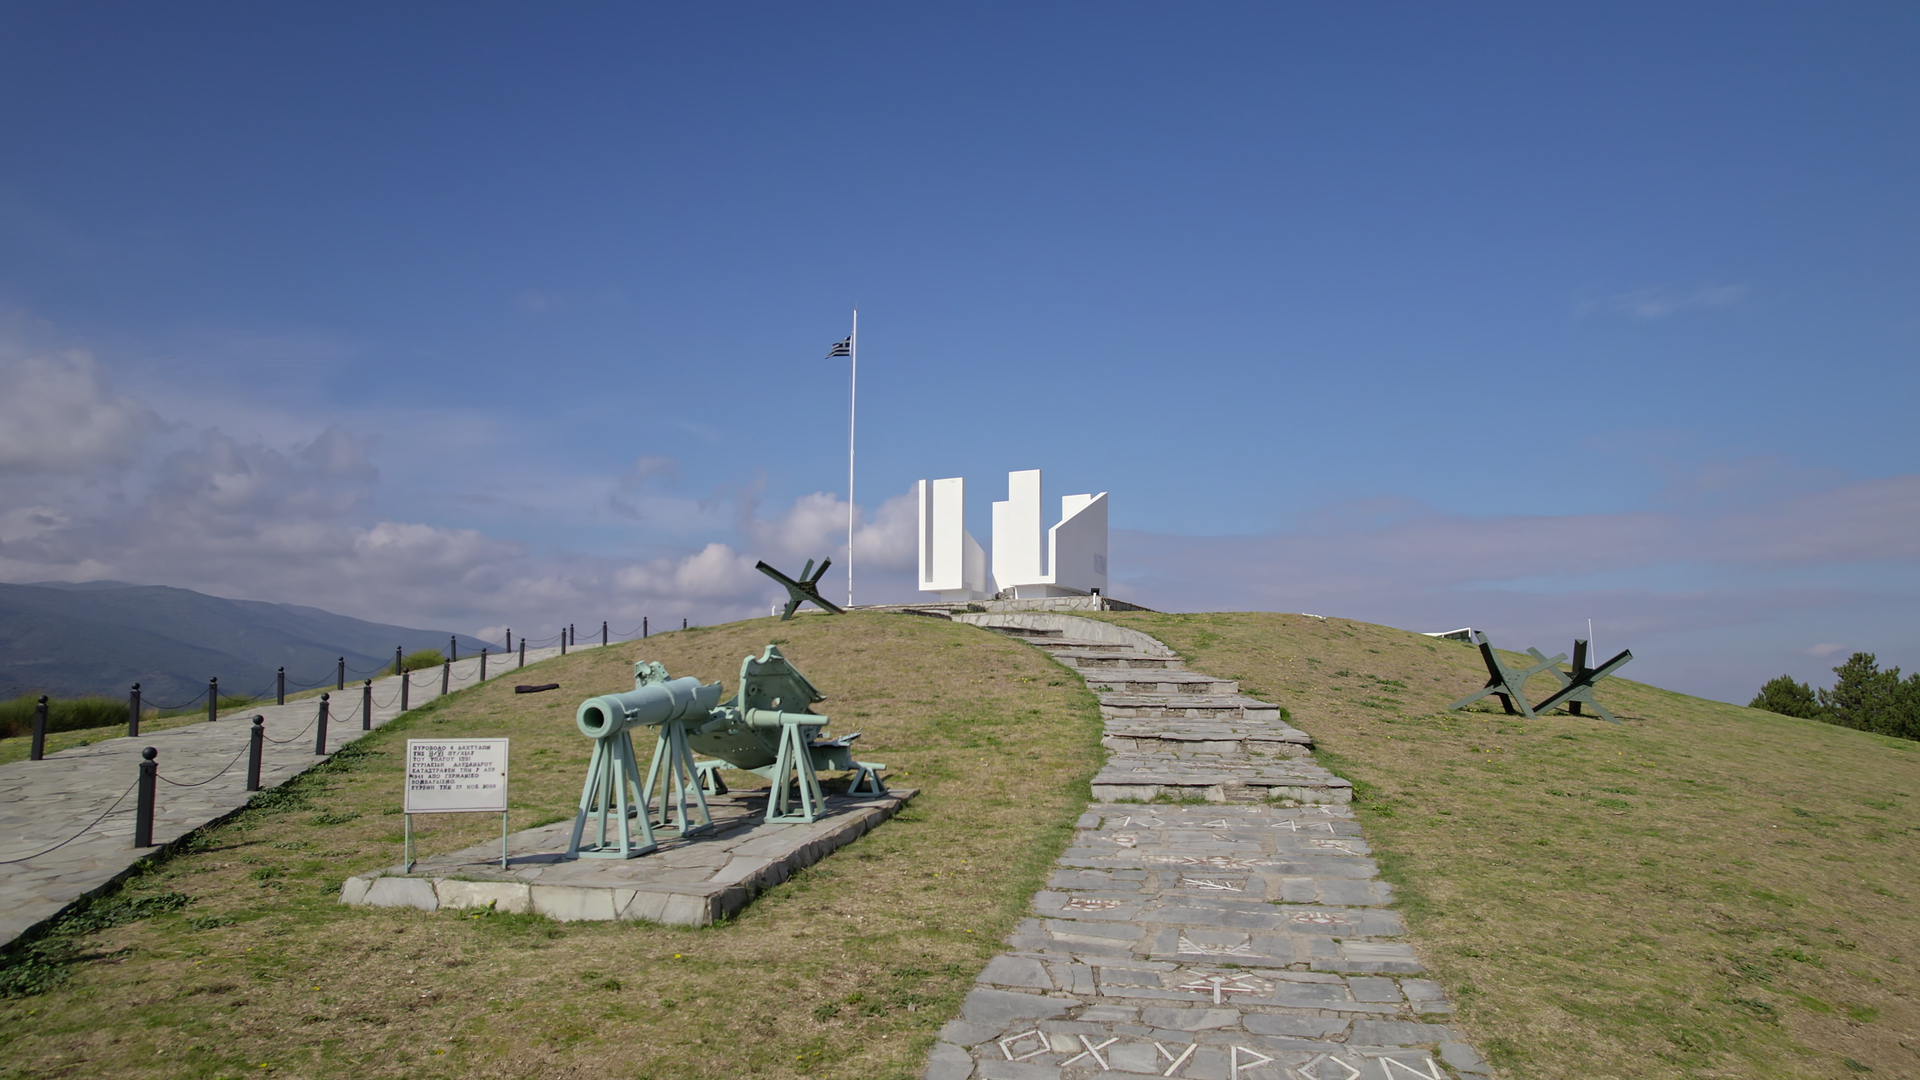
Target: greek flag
{"type": "Point", "coordinates": [844, 348]}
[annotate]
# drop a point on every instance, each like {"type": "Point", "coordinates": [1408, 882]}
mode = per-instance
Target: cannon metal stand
{"type": "Point", "coordinates": [794, 781]}
{"type": "Point", "coordinates": [674, 775]}
{"type": "Point", "coordinates": [610, 774]}
{"type": "Point", "coordinates": [1508, 685]}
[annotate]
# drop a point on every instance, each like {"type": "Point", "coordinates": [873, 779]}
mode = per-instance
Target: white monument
{"type": "Point", "coordinates": [1074, 562]}
{"type": "Point", "coordinates": [951, 560]}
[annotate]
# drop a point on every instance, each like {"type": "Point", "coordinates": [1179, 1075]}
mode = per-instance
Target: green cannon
{"type": "Point", "coordinates": [767, 728]}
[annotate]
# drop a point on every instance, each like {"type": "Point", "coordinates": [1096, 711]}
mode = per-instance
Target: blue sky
{"type": "Point", "coordinates": [503, 315]}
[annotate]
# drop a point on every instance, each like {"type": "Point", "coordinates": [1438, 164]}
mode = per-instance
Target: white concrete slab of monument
{"type": "Point", "coordinates": [953, 565]}
{"type": "Point", "coordinates": [1073, 561]}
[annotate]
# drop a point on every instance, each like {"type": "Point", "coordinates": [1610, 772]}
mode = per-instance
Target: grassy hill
{"type": "Point", "coordinates": [102, 637]}
{"type": "Point", "coordinates": [1703, 890]}
{"type": "Point", "coordinates": [846, 970]}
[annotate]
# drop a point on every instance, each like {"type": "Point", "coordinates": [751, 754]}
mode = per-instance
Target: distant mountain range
{"type": "Point", "coordinates": [101, 637]}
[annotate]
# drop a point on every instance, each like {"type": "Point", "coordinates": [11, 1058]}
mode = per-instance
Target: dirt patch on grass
{"type": "Point", "coordinates": [1704, 890]}
{"type": "Point", "coordinates": [847, 970]}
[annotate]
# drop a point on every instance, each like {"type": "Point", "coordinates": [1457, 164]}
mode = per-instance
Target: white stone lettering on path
{"type": "Point", "coordinates": [1012, 1042]}
{"type": "Point", "coordinates": [1218, 985]}
{"type": "Point", "coordinates": [1092, 1050]}
{"type": "Point", "coordinates": [1082, 903]}
{"type": "Point", "coordinates": [1218, 884]}
{"type": "Point", "coordinates": [1253, 1060]}
{"type": "Point", "coordinates": [1427, 1071]}
{"type": "Point", "coordinates": [1177, 1061]}
{"type": "Point", "coordinates": [1194, 948]}
{"type": "Point", "coordinates": [1312, 1070]}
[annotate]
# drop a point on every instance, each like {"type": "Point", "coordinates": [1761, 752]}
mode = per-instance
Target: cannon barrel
{"type": "Point", "coordinates": [646, 706]}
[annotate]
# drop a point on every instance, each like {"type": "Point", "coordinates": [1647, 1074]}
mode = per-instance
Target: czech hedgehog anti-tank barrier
{"type": "Point", "coordinates": [767, 728]}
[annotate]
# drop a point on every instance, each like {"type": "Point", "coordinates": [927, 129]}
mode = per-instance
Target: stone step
{"type": "Point", "coordinates": [1145, 777]}
{"type": "Point", "coordinates": [1256, 738]}
{"type": "Point", "coordinates": [1095, 660]}
{"type": "Point", "coordinates": [1118, 706]}
{"type": "Point", "coordinates": [1079, 646]}
{"type": "Point", "coordinates": [1164, 681]}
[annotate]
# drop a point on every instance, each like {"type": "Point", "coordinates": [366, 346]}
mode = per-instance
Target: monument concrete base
{"type": "Point", "coordinates": [690, 881]}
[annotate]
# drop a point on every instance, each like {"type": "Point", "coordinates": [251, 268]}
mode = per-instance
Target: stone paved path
{"type": "Point", "coordinates": [45, 802]}
{"type": "Point", "coordinates": [1232, 939]}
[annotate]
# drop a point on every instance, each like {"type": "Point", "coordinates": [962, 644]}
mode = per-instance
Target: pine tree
{"type": "Point", "coordinates": [1865, 698]}
{"type": "Point", "coordinates": [1787, 697]}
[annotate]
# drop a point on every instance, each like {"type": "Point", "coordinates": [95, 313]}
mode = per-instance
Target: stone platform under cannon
{"type": "Point", "coordinates": [688, 881]}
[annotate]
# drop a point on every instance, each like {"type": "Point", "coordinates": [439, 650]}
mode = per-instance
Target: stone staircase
{"type": "Point", "coordinates": [1206, 941]}
{"type": "Point", "coordinates": [1173, 732]}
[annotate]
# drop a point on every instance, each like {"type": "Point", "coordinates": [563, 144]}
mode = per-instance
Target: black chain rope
{"type": "Point", "coordinates": [210, 779]}
{"type": "Point", "coordinates": [295, 735]}
{"type": "Point", "coordinates": [170, 708]}
{"type": "Point", "coordinates": [82, 832]}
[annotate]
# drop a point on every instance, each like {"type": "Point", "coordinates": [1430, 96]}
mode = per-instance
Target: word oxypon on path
{"type": "Point", "coordinates": [1243, 937]}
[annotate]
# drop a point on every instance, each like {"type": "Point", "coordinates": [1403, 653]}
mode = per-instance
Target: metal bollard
{"type": "Point", "coordinates": [509, 639]}
{"type": "Point", "coordinates": [280, 695]}
{"type": "Point", "coordinates": [398, 659]}
{"type": "Point", "coordinates": [255, 748]}
{"type": "Point", "coordinates": [213, 700]}
{"type": "Point", "coordinates": [406, 683]}
{"type": "Point", "coordinates": [320, 736]}
{"type": "Point", "coordinates": [446, 676]}
{"type": "Point", "coordinates": [39, 748]}
{"type": "Point", "coordinates": [133, 711]}
{"type": "Point", "coordinates": [603, 633]}
{"type": "Point", "coordinates": [143, 806]}
{"type": "Point", "coordinates": [643, 627]}
{"type": "Point", "coordinates": [366, 706]}
{"type": "Point", "coordinates": [573, 636]}
{"type": "Point", "coordinates": [683, 624]}
{"type": "Point", "coordinates": [523, 652]}
{"type": "Point", "coordinates": [340, 678]}
{"type": "Point", "coordinates": [483, 665]}
{"type": "Point", "coordinates": [563, 641]}
{"type": "Point", "coordinates": [453, 647]}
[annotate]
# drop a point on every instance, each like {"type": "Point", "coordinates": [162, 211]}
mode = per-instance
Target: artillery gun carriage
{"type": "Point", "coordinates": [767, 728]}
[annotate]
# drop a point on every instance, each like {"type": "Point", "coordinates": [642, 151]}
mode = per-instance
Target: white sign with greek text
{"type": "Point", "coordinates": [456, 776]}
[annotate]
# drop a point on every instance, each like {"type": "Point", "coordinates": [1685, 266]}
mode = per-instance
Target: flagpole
{"type": "Point", "coordinates": [853, 390]}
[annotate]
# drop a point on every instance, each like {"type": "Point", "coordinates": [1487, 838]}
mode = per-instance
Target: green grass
{"type": "Point", "coordinates": [1703, 891]}
{"type": "Point", "coordinates": [418, 660]}
{"type": "Point", "coordinates": [63, 714]}
{"type": "Point", "coordinates": [846, 970]}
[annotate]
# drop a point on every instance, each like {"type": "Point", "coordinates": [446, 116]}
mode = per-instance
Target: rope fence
{"type": "Point", "coordinates": [202, 783]}
{"type": "Point", "coordinates": [78, 835]}
{"type": "Point", "coordinates": [149, 769]}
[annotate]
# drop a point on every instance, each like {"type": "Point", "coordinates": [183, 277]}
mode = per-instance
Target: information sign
{"type": "Point", "coordinates": [456, 776]}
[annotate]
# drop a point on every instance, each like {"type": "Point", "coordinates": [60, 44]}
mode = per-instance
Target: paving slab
{"type": "Point", "coordinates": [689, 881]}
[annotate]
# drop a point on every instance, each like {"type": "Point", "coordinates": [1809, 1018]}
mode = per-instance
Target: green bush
{"type": "Point", "coordinates": [418, 660]}
{"type": "Point", "coordinates": [1788, 697]}
{"type": "Point", "coordinates": [71, 714]}
{"type": "Point", "coordinates": [227, 701]}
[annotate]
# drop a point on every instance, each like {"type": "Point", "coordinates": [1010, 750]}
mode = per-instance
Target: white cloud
{"type": "Point", "coordinates": [58, 415]}
{"type": "Point", "coordinates": [97, 486]}
{"type": "Point", "coordinates": [1825, 649]}
{"type": "Point", "coordinates": [1660, 301]}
